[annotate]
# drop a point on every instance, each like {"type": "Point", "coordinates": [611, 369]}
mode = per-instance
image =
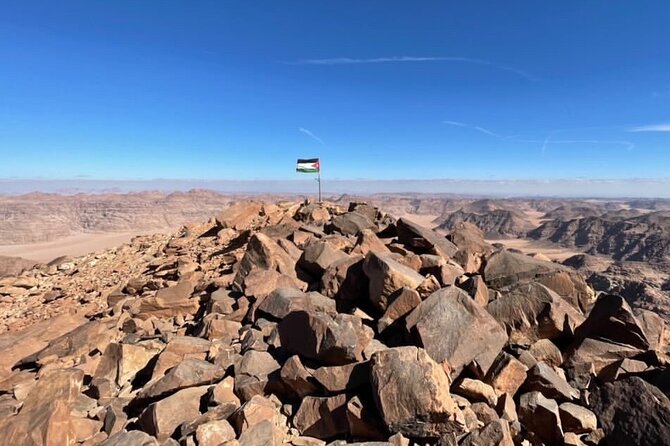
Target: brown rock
{"type": "Point", "coordinates": [257, 410]}
{"type": "Point", "coordinates": [318, 256]}
{"type": "Point", "coordinates": [495, 433]}
{"type": "Point", "coordinates": [189, 373]}
{"type": "Point", "coordinates": [262, 434]}
{"type": "Point", "coordinates": [424, 240]}
{"type": "Point", "coordinates": [335, 341]}
{"type": "Point", "coordinates": [631, 411]}
{"type": "Point", "coordinates": [576, 418]}
{"type": "Point", "coordinates": [368, 241]}
{"type": "Point", "coordinates": [351, 223]}
{"type": "Point", "coordinates": [321, 417]}
{"type": "Point", "coordinates": [506, 375]}
{"type": "Point", "coordinates": [364, 422]}
{"type": "Point", "coordinates": [402, 302]}
{"type": "Point", "coordinates": [297, 377]}
{"type": "Point", "coordinates": [252, 374]}
{"type": "Point", "coordinates": [540, 416]}
{"type": "Point", "coordinates": [532, 311]}
{"type": "Point", "coordinates": [345, 280]}
{"type": "Point", "coordinates": [477, 289]}
{"type": "Point", "coordinates": [162, 418]}
{"type": "Point", "coordinates": [214, 433]}
{"type": "Point", "coordinates": [169, 302]}
{"type": "Point", "coordinates": [408, 385]}
{"type": "Point", "coordinates": [385, 276]}
{"type": "Point", "coordinates": [544, 379]}
{"type": "Point", "coordinates": [454, 328]}
{"type": "Point", "coordinates": [546, 351]}
{"type": "Point", "coordinates": [339, 378]}
{"type": "Point", "coordinates": [240, 216]}
{"type": "Point", "coordinates": [282, 301]}
{"type": "Point", "coordinates": [130, 438]}
{"type": "Point", "coordinates": [475, 390]}
{"type": "Point", "coordinates": [120, 363]}
{"type": "Point", "coordinates": [264, 253]}
{"type": "Point", "coordinates": [223, 393]}
{"type": "Point", "coordinates": [612, 320]}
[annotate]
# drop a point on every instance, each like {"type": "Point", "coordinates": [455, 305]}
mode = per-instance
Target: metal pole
{"type": "Point", "coordinates": [319, 180]}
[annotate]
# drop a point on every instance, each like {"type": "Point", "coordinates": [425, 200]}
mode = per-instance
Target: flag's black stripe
{"type": "Point", "coordinates": [311, 160]}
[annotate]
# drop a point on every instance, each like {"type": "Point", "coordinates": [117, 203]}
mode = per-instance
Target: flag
{"type": "Point", "coordinates": [308, 165]}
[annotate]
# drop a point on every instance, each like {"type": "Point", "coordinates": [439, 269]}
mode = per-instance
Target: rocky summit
{"type": "Point", "coordinates": [309, 324]}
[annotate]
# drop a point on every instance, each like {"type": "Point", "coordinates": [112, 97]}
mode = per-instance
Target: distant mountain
{"type": "Point", "coordinates": [640, 238]}
{"type": "Point", "coordinates": [495, 223]}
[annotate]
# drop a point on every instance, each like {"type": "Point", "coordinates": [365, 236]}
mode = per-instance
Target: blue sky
{"type": "Point", "coordinates": [378, 89]}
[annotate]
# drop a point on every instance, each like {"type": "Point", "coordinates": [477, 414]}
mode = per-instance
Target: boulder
{"type": "Point", "coordinates": [322, 417]}
{"type": "Point", "coordinates": [214, 433]}
{"type": "Point", "coordinates": [541, 417]}
{"type": "Point", "coordinates": [544, 379]}
{"type": "Point", "coordinates": [454, 328]}
{"type": "Point", "coordinates": [318, 256]}
{"type": "Point", "coordinates": [282, 301]}
{"type": "Point", "coordinates": [368, 241]}
{"type": "Point", "coordinates": [345, 280]}
{"type": "Point", "coordinates": [408, 386]}
{"type": "Point", "coordinates": [506, 268]}
{"type": "Point", "coordinates": [506, 375]}
{"type": "Point", "coordinates": [495, 433]}
{"type": "Point", "coordinates": [546, 351]}
{"type": "Point", "coordinates": [424, 240]}
{"type": "Point", "coordinates": [297, 378]}
{"type": "Point", "coordinates": [532, 311]}
{"type": "Point", "coordinates": [262, 434]}
{"type": "Point", "coordinates": [333, 340]}
{"type": "Point", "coordinates": [402, 302]}
{"type": "Point", "coordinates": [385, 276]}
{"type": "Point", "coordinates": [631, 411]}
{"type": "Point", "coordinates": [351, 223]}
{"type": "Point", "coordinates": [264, 253]}
{"type": "Point", "coordinates": [252, 373]}
{"type": "Point", "coordinates": [612, 320]}
{"type": "Point", "coordinates": [577, 419]}
{"type": "Point", "coordinates": [130, 438]}
{"type": "Point", "coordinates": [339, 378]}
{"type": "Point", "coordinates": [475, 390]}
{"type": "Point", "coordinates": [190, 372]}
{"type": "Point", "coordinates": [162, 418]}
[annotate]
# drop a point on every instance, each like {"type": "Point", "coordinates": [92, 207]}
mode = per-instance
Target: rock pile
{"type": "Point", "coordinates": [308, 324]}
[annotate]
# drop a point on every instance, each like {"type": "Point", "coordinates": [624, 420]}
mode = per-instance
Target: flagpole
{"type": "Point", "coordinates": [318, 178]}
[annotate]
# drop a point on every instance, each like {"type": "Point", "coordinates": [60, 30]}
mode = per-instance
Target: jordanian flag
{"type": "Point", "coordinates": [308, 166]}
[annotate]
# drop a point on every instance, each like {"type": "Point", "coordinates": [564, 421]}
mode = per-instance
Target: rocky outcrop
{"type": "Point", "coordinates": [300, 324]}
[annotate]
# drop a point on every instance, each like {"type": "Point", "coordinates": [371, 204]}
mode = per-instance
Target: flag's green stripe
{"type": "Point", "coordinates": [307, 170]}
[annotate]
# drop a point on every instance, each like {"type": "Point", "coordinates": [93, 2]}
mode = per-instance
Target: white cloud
{"type": "Point", "coordinates": [651, 128]}
{"type": "Point", "coordinates": [404, 59]}
{"type": "Point", "coordinates": [312, 135]}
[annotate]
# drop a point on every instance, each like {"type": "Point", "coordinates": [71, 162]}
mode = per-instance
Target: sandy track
{"type": "Point", "coordinates": [74, 245]}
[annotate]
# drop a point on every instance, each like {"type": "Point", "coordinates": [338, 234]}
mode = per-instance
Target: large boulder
{"type": "Point", "coordinates": [264, 253]}
{"type": "Point", "coordinates": [506, 268]}
{"type": "Point", "coordinates": [424, 240]}
{"type": "Point", "coordinates": [612, 320]}
{"type": "Point", "coordinates": [318, 256]}
{"type": "Point", "coordinates": [632, 411]}
{"type": "Point", "coordinates": [322, 417]}
{"type": "Point", "coordinates": [351, 223]}
{"type": "Point", "coordinates": [540, 416]}
{"type": "Point", "coordinates": [532, 311]}
{"type": "Point", "coordinates": [333, 340]}
{"type": "Point", "coordinates": [282, 301]}
{"type": "Point", "coordinates": [411, 391]}
{"type": "Point", "coordinates": [386, 276]}
{"type": "Point", "coordinates": [454, 328]}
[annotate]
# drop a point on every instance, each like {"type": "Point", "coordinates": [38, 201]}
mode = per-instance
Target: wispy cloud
{"type": "Point", "coordinates": [548, 140]}
{"type": "Point", "coordinates": [409, 59]}
{"type": "Point", "coordinates": [651, 128]}
{"type": "Point", "coordinates": [312, 135]}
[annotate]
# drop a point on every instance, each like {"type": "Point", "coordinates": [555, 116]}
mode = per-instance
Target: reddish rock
{"type": "Point", "coordinates": [321, 417]}
{"type": "Point", "coordinates": [385, 276]}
